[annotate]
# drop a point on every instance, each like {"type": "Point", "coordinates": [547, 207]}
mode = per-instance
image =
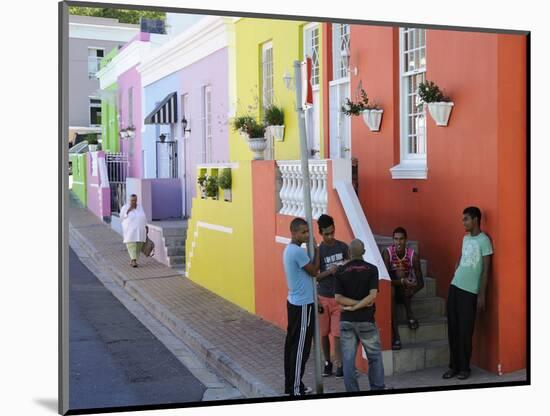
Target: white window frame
{"type": "Point", "coordinates": [337, 61]}
{"type": "Point", "coordinates": [315, 65]}
{"type": "Point", "coordinates": [411, 166]}
{"type": "Point", "coordinates": [207, 124]}
{"type": "Point", "coordinates": [267, 75]}
{"type": "Point", "coordinates": [94, 48]}
{"type": "Point", "coordinates": [130, 120]}
{"type": "Point", "coordinates": [90, 106]}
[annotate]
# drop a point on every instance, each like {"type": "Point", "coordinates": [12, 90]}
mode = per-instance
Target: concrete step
{"type": "Point", "coordinates": [414, 357]}
{"type": "Point", "coordinates": [172, 241]}
{"type": "Point", "coordinates": [179, 251]}
{"type": "Point", "coordinates": [429, 289]}
{"type": "Point", "coordinates": [176, 260]}
{"type": "Point", "coordinates": [428, 330]}
{"type": "Point", "coordinates": [427, 307]}
{"type": "Point", "coordinates": [174, 232]}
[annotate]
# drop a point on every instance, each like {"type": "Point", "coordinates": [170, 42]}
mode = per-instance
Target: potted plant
{"type": "Point", "coordinates": [439, 105]}
{"type": "Point", "coordinates": [91, 138]}
{"type": "Point", "coordinates": [201, 180]}
{"type": "Point", "coordinates": [274, 119]}
{"type": "Point", "coordinates": [257, 142]}
{"type": "Point", "coordinates": [130, 132]}
{"type": "Point", "coordinates": [225, 183]}
{"type": "Point", "coordinates": [372, 113]}
{"type": "Point", "coordinates": [212, 187]}
{"type": "Point", "coordinates": [240, 123]}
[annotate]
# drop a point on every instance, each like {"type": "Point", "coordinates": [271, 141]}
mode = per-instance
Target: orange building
{"type": "Point", "coordinates": [418, 175]}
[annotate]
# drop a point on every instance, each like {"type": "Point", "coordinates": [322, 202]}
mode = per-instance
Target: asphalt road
{"type": "Point", "coordinates": [114, 360]}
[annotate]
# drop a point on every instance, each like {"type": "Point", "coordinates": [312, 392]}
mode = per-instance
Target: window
{"type": "Point", "coordinates": [130, 106]}
{"type": "Point", "coordinates": [267, 75]}
{"type": "Point", "coordinates": [340, 50]}
{"type": "Point", "coordinates": [94, 56]}
{"type": "Point", "coordinates": [413, 117]}
{"type": "Point", "coordinates": [311, 49]}
{"type": "Point", "coordinates": [95, 112]}
{"type": "Point", "coordinates": [207, 123]}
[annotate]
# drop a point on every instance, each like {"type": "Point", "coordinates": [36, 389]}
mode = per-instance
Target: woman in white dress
{"type": "Point", "coordinates": [134, 224]}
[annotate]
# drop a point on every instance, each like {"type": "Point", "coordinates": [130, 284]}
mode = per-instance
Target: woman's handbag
{"type": "Point", "coordinates": [148, 248]}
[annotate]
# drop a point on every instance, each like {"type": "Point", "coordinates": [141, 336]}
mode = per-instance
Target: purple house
{"type": "Point", "coordinates": [188, 78]}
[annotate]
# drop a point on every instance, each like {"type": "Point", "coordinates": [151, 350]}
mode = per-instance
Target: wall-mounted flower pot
{"type": "Point", "coordinates": [92, 147]}
{"type": "Point", "coordinates": [227, 195]}
{"type": "Point", "coordinates": [277, 132]}
{"type": "Point", "coordinates": [373, 119]}
{"type": "Point", "coordinates": [440, 112]}
{"type": "Point", "coordinates": [131, 133]}
{"type": "Point", "coordinates": [257, 145]}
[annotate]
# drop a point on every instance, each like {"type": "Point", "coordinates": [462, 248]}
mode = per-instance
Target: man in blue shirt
{"type": "Point", "coordinates": [299, 271]}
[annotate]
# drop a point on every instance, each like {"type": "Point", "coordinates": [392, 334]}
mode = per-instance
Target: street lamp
{"type": "Point", "coordinates": [288, 80]}
{"type": "Point", "coordinates": [184, 124]}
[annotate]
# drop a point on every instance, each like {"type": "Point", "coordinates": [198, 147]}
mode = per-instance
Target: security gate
{"type": "Point", "coordinates": [167, 159]}
{"type": "Point", "coordinates": [117, 170]}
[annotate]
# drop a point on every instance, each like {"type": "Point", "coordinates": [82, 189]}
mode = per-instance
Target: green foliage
{"type": "Point", "coordinates": [225, 179]}
{"type": "Point", "coordinates": [240, 123]}
{"type": "Point", "coordinates": [211, 187]}
{"type": "Point", "coordinates": [351, 108]}
{"type": "Point", "coordinates": [123, 15]}
{"type": "Point", "coordinates": [255, 129]}
{"type": "Point", "coordinates": [429, 92]}
{"type": "Point", "coordinates": [274, 116]}
{"type": "Point", "coordinates": [91, 138]}
{"type": "Point", "coordinates": [201, 180]}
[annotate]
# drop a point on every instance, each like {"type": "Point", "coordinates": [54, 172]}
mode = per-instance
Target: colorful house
{"type": "Point", "coordinates": [399, 173]}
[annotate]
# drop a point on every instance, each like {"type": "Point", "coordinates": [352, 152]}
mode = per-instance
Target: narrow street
{"type": "Point", "coordinates": [114, 360]}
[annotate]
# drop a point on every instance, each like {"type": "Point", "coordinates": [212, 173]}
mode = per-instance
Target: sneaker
{"type": "Point", "coordinates": [339, 372]}
{"type": "Point", "coordinates": [306, 390]}
{"type": "Point", "coordinates": [449, 374]}
{"type": "Point", "coordinates": [327, 372]}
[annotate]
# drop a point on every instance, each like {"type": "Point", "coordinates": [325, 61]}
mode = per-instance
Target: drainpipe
{"type": "Point", "coordinates": [309, 218]}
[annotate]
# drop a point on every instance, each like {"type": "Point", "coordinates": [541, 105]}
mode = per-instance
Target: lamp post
{"type": "Point", "coordinates": [308, 215]}
{"type": "Point", "coordinates": [184, 126]}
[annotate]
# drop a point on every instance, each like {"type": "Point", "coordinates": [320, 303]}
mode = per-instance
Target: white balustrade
{"type": "Point", "coordinates": [292, 188]}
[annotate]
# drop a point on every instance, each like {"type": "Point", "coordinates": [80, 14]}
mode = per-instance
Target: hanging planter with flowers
{"type": "Point", "coordinates": [372, 113]}
{"type": "Point", "coordinates": [439, 105]}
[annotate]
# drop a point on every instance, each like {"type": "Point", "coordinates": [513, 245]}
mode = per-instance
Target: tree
{"type": "Point", "coordinates": [123, 15]}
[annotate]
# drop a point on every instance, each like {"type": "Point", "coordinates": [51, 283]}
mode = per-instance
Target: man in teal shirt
{"type": "Point", "coordinates": [467, 293]}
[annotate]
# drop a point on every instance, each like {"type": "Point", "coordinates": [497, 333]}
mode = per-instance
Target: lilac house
{"type": "Point", "coordinates": [188, 78]}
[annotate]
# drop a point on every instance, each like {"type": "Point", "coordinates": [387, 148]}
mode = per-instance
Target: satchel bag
{"type": "Point", "coordinates": [148, 248]}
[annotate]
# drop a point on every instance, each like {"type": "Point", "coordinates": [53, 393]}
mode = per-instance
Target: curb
{"type": "Point", "coordinates": [249, 385]}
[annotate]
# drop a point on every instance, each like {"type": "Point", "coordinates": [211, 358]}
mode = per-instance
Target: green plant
{"type": "Point", "coordinates": [255, 129]}
{"type": "Point", "coordinates": [240, 122]}
{"type": "Point", "coordinates": [274, 116]}
{"type": "Point", "coordinates": [201, 180]}
{"type": "Point", "coordinates": [429, 92]}
{"type": "Point", "coordinates": [211, 187]}
{"type": "Point", "coordinates": [351, 108]}
{"type": "Point", "coordinates": [225, 179]}
{"type": "Point", "coordinates": [91, 138]}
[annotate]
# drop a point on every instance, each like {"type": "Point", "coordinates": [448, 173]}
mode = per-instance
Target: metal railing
{"type": "Point", "coordinates": [117, 170]}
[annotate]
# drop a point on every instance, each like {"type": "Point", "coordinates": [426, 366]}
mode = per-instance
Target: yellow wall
{"type": "Point", "coordinates": [286, 37]}
{"type": "Point", "coordinates": [219, 261]}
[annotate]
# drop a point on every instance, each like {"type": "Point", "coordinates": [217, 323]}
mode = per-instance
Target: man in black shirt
{"type": "Point", "coordinates": [355, 287]}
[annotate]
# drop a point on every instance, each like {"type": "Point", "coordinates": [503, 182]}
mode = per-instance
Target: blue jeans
{"type": "Point", "coordinates": [367, 333]}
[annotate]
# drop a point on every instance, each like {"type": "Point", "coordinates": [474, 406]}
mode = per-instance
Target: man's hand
{"type": "Point", "coordinates": [348, 308]}
{"type": "Point", "coordinates": [481, 301]}
{"type": "Point", "coordinates": [333, 269]}
{"type": "Point", "coordinates": [131, 208]}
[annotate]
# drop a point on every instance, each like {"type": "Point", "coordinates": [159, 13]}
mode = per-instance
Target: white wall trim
{"type": "Point", "coordinates": [232, 165]}
{"type": "Point", "coordinates": [129, 57]}
{"type": "Point", "coordinates": [410, 170]}
{"type": "Point", "coordinates": [215, 227]}
{"type": "Point", "coordinates": [102, 32]}
{"type": "Point", "coordinates": [202, 39]}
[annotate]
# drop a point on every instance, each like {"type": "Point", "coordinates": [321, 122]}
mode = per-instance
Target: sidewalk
{"type": "Point", "coordinates": [242, 347]}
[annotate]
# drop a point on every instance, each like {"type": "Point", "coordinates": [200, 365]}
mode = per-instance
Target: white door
{"type": "Point", "coordinates": [340, 124]}
{"type": "Point", "coordinates": [311, 37]}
